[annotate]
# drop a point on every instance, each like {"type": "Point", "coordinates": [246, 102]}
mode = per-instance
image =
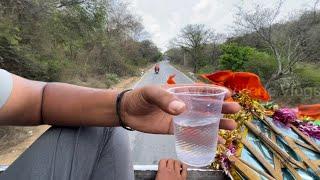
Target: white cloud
{"type": "Point", "coordinates": [203, 5]}
{"type": "Point", "coordinates": [150, 23]}
{"type": "Point", "coordinates": [216, 14]}
{"type": "Point", "coordinates": [203, 11]}
{"type": "Point", "coordinates": [175, 23]}
{"type": "Point", "coordinates": [153, 27]}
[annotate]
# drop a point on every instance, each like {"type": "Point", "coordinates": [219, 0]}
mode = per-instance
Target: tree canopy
{"type": "Point", "coordinates": [193, 39]}
{"type": "Point", "coordinates": [58, 40]}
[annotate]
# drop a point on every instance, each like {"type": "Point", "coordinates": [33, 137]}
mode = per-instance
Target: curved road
{"type": "Point", "coordinates": [148, 149]}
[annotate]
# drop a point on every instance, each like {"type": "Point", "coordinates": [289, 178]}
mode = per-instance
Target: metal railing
{"type": "Point", "coordinates": [3, 168]}
{"type": "Point", "coordinates": [148, 172]}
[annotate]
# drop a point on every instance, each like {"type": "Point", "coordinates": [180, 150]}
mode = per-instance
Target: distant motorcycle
{"type": "Point", "coordinates": [156, 69]}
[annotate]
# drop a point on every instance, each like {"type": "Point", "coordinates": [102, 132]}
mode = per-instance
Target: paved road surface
{"type": "Point", "coordinates": [148, 149]}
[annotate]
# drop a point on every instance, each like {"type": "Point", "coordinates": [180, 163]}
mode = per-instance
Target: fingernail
{"type": "Point", "coordinates": [176, 106]}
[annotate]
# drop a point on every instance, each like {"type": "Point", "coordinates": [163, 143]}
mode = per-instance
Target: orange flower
{"type": "Point", "coordinates": [312, 111]}
{"type": "Point", "coordinates": [238, 81]}
{"type": "Point", "coordinates": [171, 79]}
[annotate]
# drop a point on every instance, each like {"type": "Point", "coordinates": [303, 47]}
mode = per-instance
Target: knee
{"type": "Point", "coordinates": [116, 134]}
{"type": "Point", "coordinates": [116, 138]}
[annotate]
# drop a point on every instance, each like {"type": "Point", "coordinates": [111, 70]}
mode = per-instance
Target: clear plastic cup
{"type": "Point", "coordinates": [196, 129]}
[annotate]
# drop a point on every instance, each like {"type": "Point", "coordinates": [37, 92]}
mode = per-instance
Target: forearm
{"type": "Point", "coordinates": [35, 103]}
{"type": "Point", "coordinates": [70, 105]}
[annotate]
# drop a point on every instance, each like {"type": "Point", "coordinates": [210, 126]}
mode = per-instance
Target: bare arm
{"type": "Point", "coordinates": [62, 104]}
{"type": "Point", "coordinates": [148, 109]}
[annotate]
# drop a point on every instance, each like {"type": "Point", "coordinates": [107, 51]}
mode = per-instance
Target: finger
{"type": "Point", "coordinates": [230, 107]}
{"type": "Point", "coordinates": [171, 129]}
{"type": "Point", "coordinates": [221, 140]}
{"type": "Point", "coordinates": [228, 94]}
{"type": "Point", "coordinates": [228, 124]}
{"type": "Point", "coordinates": [162, 164]}
{"type": "Point", "coordinates": [184, 171]}
{"type": "Point", "coordinates": [170, 164]}
{"type": "Point", "coordinates": [167, 86]}
{"type": "Point", "coordinates": [177, 166]}
{"type": "Point", "coordinates": [163, 99]}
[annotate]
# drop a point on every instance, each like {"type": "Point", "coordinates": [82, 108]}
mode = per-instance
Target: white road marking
{"type": "Point", "coordinates": [182, 73]}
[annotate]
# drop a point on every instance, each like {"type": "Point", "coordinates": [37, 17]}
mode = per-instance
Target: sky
{"type": "Point", "coordinates": [163, 19]}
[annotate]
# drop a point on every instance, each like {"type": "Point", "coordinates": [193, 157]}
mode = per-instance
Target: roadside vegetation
{"type": "Point", "coordinates": [72, 40]}
{"type": "Point", "coordinates": [285, 54]}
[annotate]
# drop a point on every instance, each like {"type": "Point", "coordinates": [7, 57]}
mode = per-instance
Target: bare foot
{"type": "Point", "coordinates": [170, 169]}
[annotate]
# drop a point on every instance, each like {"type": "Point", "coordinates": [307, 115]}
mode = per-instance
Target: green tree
{"type": "Point", "coordinates": [234, 57]}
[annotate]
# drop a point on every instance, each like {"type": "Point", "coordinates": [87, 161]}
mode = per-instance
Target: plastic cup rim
{"type": "Point", "coordinates": [224, 90]}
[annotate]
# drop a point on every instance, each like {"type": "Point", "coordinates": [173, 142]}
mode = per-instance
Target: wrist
{"type": "Point", "coordinates": [110, 112]}
{"type": "Point", "coordinates": [122, 102]}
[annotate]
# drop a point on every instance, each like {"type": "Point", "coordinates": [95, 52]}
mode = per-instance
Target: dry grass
{"type": "Point", "coordinates": [15, 140]}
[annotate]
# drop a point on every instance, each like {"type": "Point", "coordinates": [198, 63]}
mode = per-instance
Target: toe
{"type": "Point", "coordinates": [170, 164]}
{"type": "Point", "coordinates": [177, 167]}
{"type": "Point", "coordinates": [162, 164]}
{"type": "Point", "coordinates": [184, 171]}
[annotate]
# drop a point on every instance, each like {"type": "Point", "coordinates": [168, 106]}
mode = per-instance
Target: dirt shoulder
{"type": "Point", "coordinates": [15, 140]}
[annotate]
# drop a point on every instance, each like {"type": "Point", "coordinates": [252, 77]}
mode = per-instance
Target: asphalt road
{"type": "Point", "coordinates": [148, 149]}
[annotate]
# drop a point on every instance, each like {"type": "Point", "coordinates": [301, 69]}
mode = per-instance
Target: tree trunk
{"type": "Point", "coordinates": [195, 68]}
{"type": "Point", "coordinates": [274, 77]}
{"type": "Point", "coordinates": [278, 59]}
{"type": "Point", "coordinates": [194, 62]}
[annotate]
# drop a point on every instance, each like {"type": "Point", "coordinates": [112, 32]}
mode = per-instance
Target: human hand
{"type": "Point", "coordinates": [150, 109]}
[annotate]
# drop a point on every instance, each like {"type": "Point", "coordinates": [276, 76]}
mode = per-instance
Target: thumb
{"type": "Point", "coordinates": [164, 100]}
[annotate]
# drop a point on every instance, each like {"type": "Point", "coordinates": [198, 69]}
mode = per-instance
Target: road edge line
{"type": "Point", "coordinates": [181, 73]}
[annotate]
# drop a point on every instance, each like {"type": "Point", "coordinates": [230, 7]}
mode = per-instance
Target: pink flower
{"type": "Point", "coordinates": [285, 116]}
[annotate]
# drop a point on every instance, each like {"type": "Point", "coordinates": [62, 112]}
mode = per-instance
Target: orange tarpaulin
{"type": "Point", "coordinates": [218, 77]}
{"type": "Point", "coordinates": [238, 81]}
{"type": "Point", "coordinates": [312, 111]}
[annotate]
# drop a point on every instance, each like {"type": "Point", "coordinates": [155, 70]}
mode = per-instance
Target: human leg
{"type": "Point", "coordinates": [71, 153]}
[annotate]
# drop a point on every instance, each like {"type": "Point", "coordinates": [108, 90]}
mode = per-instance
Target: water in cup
{"type": "Point", "coordinates": [196, 142]}
{"type": "Point", "coordinates": [196, 129]}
